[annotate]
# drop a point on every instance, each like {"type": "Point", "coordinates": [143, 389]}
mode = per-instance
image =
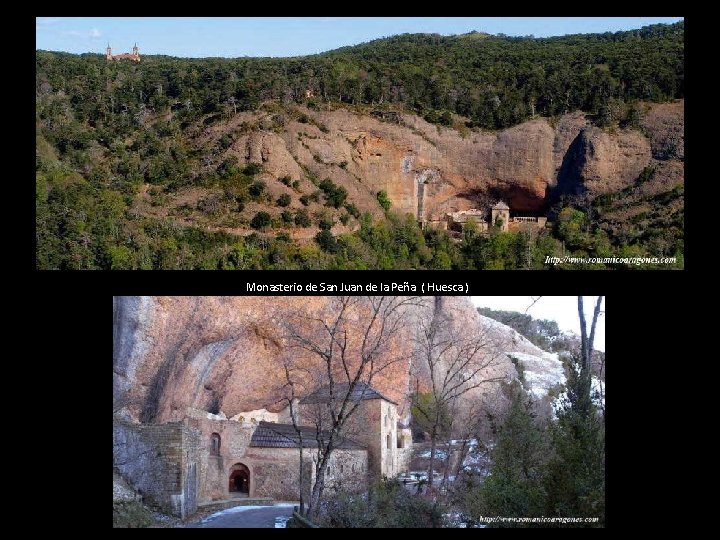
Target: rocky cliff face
{"type": "Point", "coordinates": [423, 166]}
{"type": "Point", "coordinates": [226, 353]}
{"type": "Point", "coordinates": [598, 162]}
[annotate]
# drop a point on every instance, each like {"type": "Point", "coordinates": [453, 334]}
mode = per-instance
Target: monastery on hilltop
{"type": "Point", "coordinates": [133, 57]}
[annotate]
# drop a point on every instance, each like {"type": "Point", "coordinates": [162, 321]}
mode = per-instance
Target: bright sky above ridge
{"type": "Point", "coordinates": [289, 36]}
{"type": "Point", "coordinates": [561, 309]}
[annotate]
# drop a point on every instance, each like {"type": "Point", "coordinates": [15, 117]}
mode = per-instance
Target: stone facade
{"type": "Point", "coordinates": [177, 465]}
{"type": "Point", "coordinates": [373, 425]}
{"type": "Point", "coordinates": [403, 453]}
{"type": "Point", "coordinates": [258, 415]}
{"type": "Point", "coordinates": [214, 465]}
{"type": "Point", "coordinates": [458, 220]}
{"type": "Point", "coordinates": [499, 216]}
{"type": "Point", "coordinates": [133, 57]}
{"type": "Point", "coordinates": [161, 461]}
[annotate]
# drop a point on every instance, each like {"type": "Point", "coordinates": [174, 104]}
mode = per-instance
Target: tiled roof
{"type": "Point", "coordinates": [360, 392]}
{"type": "Point", "coordinates": [501, 206]}
{"type": "Point", "coordinates": [272, 435]}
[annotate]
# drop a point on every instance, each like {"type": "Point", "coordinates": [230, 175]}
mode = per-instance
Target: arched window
{"type": "Point", "coordinates": [388, 441]}
{"type": "Point", "coordinates": [400, 441]}
{"type": "Point", "coordinates": [215, 444]}
{"type": "Point", "coordinates": [341, 469]}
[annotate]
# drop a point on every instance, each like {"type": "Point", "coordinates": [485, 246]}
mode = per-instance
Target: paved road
{"type": "Point", "coordinates": [246, 516]}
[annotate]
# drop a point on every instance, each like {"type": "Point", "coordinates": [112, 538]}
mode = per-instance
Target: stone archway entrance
{"type": "Point", "coordinates": [239, 485]}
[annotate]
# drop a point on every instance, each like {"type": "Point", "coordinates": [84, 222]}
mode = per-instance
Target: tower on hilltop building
{"type": "Point", "coordinates": [133, 57]}
{"type": "Point", "coordinates": [500, 216]}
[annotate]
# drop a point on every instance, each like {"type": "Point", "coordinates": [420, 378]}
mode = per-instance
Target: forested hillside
{"type": "Point", "coordinates": [145, 166]}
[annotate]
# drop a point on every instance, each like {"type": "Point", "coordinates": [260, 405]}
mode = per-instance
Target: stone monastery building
{"type": "Point", "coordinates": [207, 457]}
{"type": "Point", "coordinates": [133, 57]}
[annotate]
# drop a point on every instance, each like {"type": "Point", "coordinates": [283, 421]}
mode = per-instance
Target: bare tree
{"type": "Point", "coordinates": [472, 429]}
{"type": "Point", "coordinates": [292, 390]}
{"type": "Point", "coordinates": [586, 347]}
{"type": "Point", "coordinates": [346, 345]}
{"type": "Point", "coordinates": [457, 361]}
{"type": "Point", "coordinates": [586, 342]}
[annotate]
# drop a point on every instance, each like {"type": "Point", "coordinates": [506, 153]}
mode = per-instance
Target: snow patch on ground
{"type": "Point", "coordinates": [439, 454]}
{"type": "Point", "coordinates": [236, 509]}
{"type": "Point", "coordinates": [281, 522]}
{"type": "Point", "coordinates": [473, 459]}
{"type": "Point", "coordinates": [469, 442]}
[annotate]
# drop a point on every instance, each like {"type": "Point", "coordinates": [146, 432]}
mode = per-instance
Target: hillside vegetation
{"type": "Point", "coordinates": [137, 165]}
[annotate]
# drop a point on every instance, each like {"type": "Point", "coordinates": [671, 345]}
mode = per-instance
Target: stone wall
{"type": "Point", "coordinates": [388, 439]}
{"type": "Point", "coordinates": [214, 469]}
{"type": "Point", "coordinates": [274, 472]}
{"type": "Point", "coordinates": [175, 465]}
{"type": "Point", "coordinates": [277, 472]}
{"type": "Point", "coordinates": [348, 471]}
{"type": "Point", "coordinates": [370, 425]}
{"type": "Point", "coordinates": [403, 455]}
{"type": "Point", "coordinates": [160, 461]}
{"type": "Point", "coordinates": [190, 448]}
{"type": "Point", "coordinates": [256, 416]}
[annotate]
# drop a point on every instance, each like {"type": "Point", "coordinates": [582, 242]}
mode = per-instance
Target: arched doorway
{"type": "Point", "coordinates": [239, 480]}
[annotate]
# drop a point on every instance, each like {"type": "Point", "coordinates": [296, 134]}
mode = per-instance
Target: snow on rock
{"type": "Point", "coordinates": [510, 335]}
{"type": "Point", "coordinates": [542, 372]}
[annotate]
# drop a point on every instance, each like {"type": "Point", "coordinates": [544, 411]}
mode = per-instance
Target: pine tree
{"type": "Point", "coordinates": [514, 487]}
{"type": "Point", "coordinates": [575, 482]}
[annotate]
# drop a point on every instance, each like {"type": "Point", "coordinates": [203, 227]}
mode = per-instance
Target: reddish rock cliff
{"type": "Point", "coordinates": [226, 353]}
{"type": "Point", "coordinates": [414, 160]}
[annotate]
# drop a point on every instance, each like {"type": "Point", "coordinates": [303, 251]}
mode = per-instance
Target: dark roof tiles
{"type": "Point", "coordinates": [360, 392]}
{"type": "Point", "coordinates": [272, 435]}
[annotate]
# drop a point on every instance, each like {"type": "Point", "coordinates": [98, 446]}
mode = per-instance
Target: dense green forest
{"type": "Point", "coordinates": [105, 130]}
